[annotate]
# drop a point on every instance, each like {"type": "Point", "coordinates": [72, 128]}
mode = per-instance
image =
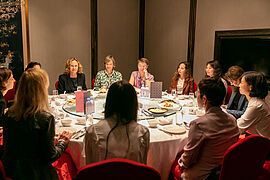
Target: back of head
{"type": "Point", "coordinates": [258, 82]}
{"type": "Point", "coordinates": [122, 102]}
{"type": "Point", "coordinates": [32, 94]}
{"type": "Point", "coordinates": [32, 64]}
{"type": "Point", "coordinates": [217, 68]}
{"type": "Point", "coordinates": [213, 89]}
{"type": "Point", "coordinates": [4, 76]}
{"type": "Point", "coordinates": [234, 73]}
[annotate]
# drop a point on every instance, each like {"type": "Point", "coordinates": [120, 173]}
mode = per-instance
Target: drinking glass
{"type": "Point", "coordinates": [55, 92]}
{"type": "Point", "coordinates": [191, 95]}
{"type": "Point", "coordinates": [79, 88]}
{"type": "Point", "coordinates": [174, 92]}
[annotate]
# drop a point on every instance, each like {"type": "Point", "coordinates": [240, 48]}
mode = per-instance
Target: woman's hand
{"type": "Point", "coordinates": [146, 74]}
{"type": "Point", "coordinates": [65, 136]}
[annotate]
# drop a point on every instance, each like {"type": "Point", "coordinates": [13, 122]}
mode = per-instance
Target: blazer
{"type": "Point", "coordinates": [209, 137]}
{"type": "Point", "coordinates": [241, 107]}
{"type": "Point", "coordinates": [187, 88]}
{"type": "Point", "coordinates": [29, 147]}
{"type": "Point", "coordinates": [66, 84]}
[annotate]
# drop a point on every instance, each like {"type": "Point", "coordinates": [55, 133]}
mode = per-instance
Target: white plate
{"type": "Point", "coordinates": [174, 129]}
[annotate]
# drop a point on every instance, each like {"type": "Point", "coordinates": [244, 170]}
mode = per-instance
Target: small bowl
{"type": "Point", "coordinates": [66, 122]}
{"type": "Point", "coordinates": [81, 120]}
{"type": "Point", "coordinates": [153, 123]}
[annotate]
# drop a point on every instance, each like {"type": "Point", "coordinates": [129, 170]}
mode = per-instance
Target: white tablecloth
{"type": "Point", "coordinates": [163, 146]}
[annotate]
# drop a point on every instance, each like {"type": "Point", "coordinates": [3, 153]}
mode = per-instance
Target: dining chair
{"type": "Point", "coordinates": [56, 85]}
{"type": "Point", "coordinates": [195, 86]}
{"type": "Point", "coordinates": [228, 94]}
{"type": "Point", "coordinates": [93, 83]}
{"type": "Point", "coordinates": [118, 169]}
{"type": "Point", "coordinates": [245, 159]}
{"type": "Point", "coordinates": [3, 172]}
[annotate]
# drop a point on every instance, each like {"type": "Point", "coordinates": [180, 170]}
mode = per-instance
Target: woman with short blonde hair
{"type": "Point", "coordinates": [29, 131]}
{"type": "Point", "coordinates": [72, 77]}
{"type": "Point", "coordinates": [105, 78]}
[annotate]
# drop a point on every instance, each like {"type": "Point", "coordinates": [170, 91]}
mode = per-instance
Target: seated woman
{"type": "Point", "coordinates": [238, 102]}
{"type": "Point", "coordinates": [33, 64]}
{"type": "Point", "coordinates": [142, 76]}
{"type": "Point", "coordinates": [72, 77]}
{"type": "Point", "coordinates": [256, 118]}
{"type": "Point", "coordinates": [29, 144]}
{"type": "Point", "coordinates": [182, 80]}
{"type": "Point", "coordinates": [210, 135]}
{"type": "Point", "coordinates": [108, 76]}
{"type": "Point", "coordinates": [119, 135]}
{"type": "Point", "coordinates": [6, 83]}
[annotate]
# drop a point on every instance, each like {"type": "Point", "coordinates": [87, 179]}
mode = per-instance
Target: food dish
{"type": "Point", "coordinates": [157, 110]}
{"type": "Point", "coordinates": [71, 101]}
{"type": "Point", "coordinates": [174, 129]}
{"type": "Point", "coordinates": [60, 130]}
{"type": "Point", "coordinates": [168, 104]}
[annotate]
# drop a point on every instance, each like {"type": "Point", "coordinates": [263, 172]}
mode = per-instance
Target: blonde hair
{"type": "Point", "coordinates": [67, 65]}
{"type": "Point", "coordinates": [108, 59]}
{"type": "Point", "coordinates": [32, 94]}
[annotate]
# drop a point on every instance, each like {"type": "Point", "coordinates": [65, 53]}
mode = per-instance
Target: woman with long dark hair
{"type": "Point", "coordinates": [118, 135]}
{"type": "Point", "coordinates": [182, 80]}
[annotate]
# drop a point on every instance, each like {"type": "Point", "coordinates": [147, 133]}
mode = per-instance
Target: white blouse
{"type": "Point", "coordinates": [256, 119]}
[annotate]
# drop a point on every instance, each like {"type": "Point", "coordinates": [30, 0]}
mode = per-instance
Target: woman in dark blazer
{"type": "Point", "coordinates": [29, 131]}
{"type": "Point", "coordinates": [182, 80]}
{"type": "Point", "coordinates": [238, 102]}
{"type": "Point", "coordinates": [72, 77]}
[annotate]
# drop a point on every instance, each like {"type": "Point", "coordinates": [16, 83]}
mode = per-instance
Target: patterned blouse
{"type": "Point", "coordinates": [138, 81]}
{"type": "Point", "coordinates": [103, 79]}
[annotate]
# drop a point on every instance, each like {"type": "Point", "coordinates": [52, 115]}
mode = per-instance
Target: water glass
{"type": "Point", "coordinates": [79, 88]}
{"type": "Point", "coordinates": [55, 92]}
{"type": "Point", "coordinates": [174, 92]}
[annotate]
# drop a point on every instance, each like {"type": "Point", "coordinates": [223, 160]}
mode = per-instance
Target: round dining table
{"type": "Point", "coordinates": [164, 146]}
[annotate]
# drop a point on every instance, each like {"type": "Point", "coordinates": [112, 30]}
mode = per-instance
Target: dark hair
{"type": "Point", "coordinates": [187, 73]}
{"type": "Point", "coordinates": [143, 60]}
{"type": "Point", "coordinates": [258, 82]}
{"type": "Point", "coordinates": [217, 68]}
{"type": "Point", "coordinates": [213, 89]}
{"type": "Point", "coordinates": [234, 73]}
{"type": "Point", "coordinates": [122, 101]}
{"type": "Point", "coordinates": [4, 76]}
{"type": "Point", "coordinates": [32, 64]}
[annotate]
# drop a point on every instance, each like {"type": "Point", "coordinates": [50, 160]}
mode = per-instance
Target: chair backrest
{"type": "Point", "coordinates": [119, 169]}
{"type": "Point", "coordinates": [228, 95]}
{"type": "Point", "coordinates": [93, 83]}
{"type": "Point", "coordinates": [245, 159]}
{"type": "Point", "coordinates": [195, 86]}
{"type": "Point", "coordinates": [56, 85]}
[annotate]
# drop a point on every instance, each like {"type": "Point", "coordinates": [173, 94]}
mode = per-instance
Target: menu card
{"type": "Point", "coordinates": [156, 90]}
{"type": "Point", "coordinates": [81, 97]}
